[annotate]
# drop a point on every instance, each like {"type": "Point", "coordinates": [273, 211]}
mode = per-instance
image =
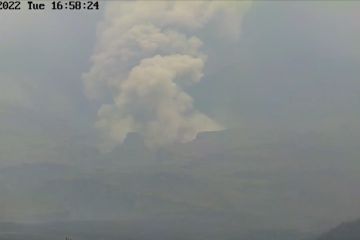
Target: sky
{"type": "Point", "coordinates": [278, 83]}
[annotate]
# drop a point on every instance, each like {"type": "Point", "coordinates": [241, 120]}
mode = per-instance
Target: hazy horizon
{"type": "Point", "coordinates": [242, 116]}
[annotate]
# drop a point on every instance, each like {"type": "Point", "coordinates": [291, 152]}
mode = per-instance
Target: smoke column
{"type": "Point", "coordinates": [144, 58]}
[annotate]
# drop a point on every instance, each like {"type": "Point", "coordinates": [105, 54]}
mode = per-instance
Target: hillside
{"type": "Point", "coordinates": [136, 229]}
{"type": "Point", "coordinates": [255, 182]}
{"type": "Point", "coordinates": [345, 231]}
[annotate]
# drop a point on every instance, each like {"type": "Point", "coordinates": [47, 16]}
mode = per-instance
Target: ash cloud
{"type": "Point", "coordinates": [146, 55]}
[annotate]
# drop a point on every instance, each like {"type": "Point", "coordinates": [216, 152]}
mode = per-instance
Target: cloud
{"type": "Point", "coordinates": [151, 102]}
{"type": "Point", "coordinates": [144, 58]}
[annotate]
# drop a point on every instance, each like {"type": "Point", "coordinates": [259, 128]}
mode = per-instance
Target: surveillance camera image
{"type": "Point", "coordinates": [179, 119]}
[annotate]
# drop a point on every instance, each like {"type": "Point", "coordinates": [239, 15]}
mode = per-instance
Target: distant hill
{"type": "Point", "coordinates": [134, 230]}
{"type": "Point", "coordinates": [229, 182]}
{"type": "Point", "coordinates": [345, 231]}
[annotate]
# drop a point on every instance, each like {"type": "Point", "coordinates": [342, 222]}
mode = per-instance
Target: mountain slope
{"type": "Point", "coordinates": [136, 229]}
{"type": "Point", "coordinates": [345, 231]}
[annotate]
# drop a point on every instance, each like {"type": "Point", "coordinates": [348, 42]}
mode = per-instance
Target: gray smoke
{"type": "Point", "coordinates": [143, 59]}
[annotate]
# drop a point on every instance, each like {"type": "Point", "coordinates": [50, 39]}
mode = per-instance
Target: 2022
{"type": "Point", "coordinates": [10, 5]}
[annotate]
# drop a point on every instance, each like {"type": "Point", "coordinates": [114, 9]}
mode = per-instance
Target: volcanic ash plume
{"type": "Point", "coordinates": [144, 59]}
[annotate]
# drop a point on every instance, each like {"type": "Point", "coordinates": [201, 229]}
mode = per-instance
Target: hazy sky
{"type": "Point", "coordinates": [288, 64]}
{"type": "Point", "coordinates": [284, 75]}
